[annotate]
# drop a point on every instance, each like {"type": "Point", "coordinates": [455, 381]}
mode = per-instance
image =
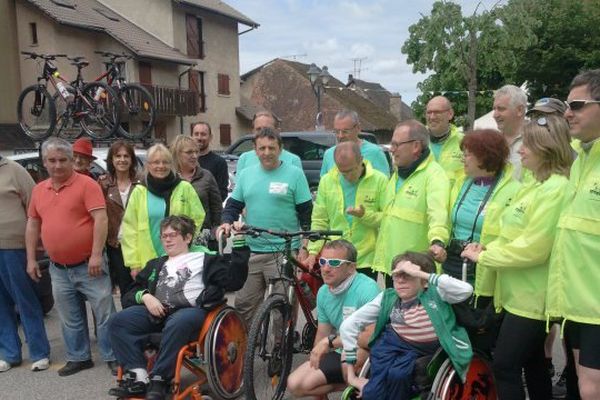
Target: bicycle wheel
{"type": "Point", "coordinates": [269, 356]}
{"type": "Point", "coordinates": [36, 112]}
{"type": "Point", "coordinates": [99, 109]}
{"type": "Point", "coordinates": [66, 127]}
{"type": "Point", "coordinates": [138, 112]}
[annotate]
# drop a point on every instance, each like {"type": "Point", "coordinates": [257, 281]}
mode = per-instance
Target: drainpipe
{"type": "Point", "coordinates": [187, 71]}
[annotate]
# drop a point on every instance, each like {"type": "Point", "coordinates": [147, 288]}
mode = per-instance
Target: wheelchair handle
{"type": "Point", "coordinates": [221, 237]}
{"type": "Point", "coordinates": [465, 265]}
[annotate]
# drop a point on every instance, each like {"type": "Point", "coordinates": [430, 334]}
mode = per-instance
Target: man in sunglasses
{"type": "Point", "coordinates": [344, 292]}
{"type": "Point", "coordinates": [415, 204]}
{"type": "Point", "coordinates": [444, 137]}
{"type": "Point", "coordinates": [349, 199]}
{"type": "Point", "coordinates": [575, 260]}
{"type": "Point", "coordinates": [510, 104]}
{"type": "Point", "coordinates": [346, 127]}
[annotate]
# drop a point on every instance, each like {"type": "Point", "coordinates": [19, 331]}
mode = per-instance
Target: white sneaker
{"type": "Point", "coordinates": [40, 365]}
{"type": "Point", "coordinates": [4, 366]}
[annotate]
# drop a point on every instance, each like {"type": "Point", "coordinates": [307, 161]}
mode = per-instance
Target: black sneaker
{"type": "Point", "coordinates": [113, 366]}
{"type": "Point", "coordinates": [73, 367]}
{"type": "Point", "coordinates": [157, 388]}
{"type": "Point", "coordinates": [129, 387]}
{"type": "Point", "coordinates": [559, 389]}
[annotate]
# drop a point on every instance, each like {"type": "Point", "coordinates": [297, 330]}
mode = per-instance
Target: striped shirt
{"type": "Point", "coordinates": [411, 322]}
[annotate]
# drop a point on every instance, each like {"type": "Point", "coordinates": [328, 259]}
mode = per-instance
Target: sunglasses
{"type": "Point", "coordinates": [576, 105]}
{"type": "Point", "coordinates": [332, 262]}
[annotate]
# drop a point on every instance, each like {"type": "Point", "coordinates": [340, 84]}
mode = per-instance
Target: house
{"type": "Point", "coordinates": [186, 53]}
{"type": "Point", "coordinates": [382, 97]}
{"type": "Point", "coordinates": [283, 86]}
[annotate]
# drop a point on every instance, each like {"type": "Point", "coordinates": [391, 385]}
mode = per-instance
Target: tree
{"type": "Point", "coordinates": [464, 51]}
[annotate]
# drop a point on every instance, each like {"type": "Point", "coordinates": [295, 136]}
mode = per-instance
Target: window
{"type": "Point", "coordinates": [34, 35]}
{"type": "Point", "coordinates": [195, 41]}
{"type": "Point", "coordinates": [225, 134]}
{"type": "Point", "coordinates": [196, 83]}
{"type": "Point", "coordinates": [145, 71]}
{"type": "Point", "coordinates": [223, 86]}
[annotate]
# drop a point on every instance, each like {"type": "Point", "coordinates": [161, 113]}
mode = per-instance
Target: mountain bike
{"type": "Point", "coordinates": [138, 111]}
{"type": "Point", "coordinates": [92, 106]}
{"type": "Point", "coordinates": [272, 334]}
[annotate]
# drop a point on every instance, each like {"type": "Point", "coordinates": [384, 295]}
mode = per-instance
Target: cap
{"type": "Point", "coordinates": [83, 146]}
{"type": "Point", "coordinates": [548, 105]}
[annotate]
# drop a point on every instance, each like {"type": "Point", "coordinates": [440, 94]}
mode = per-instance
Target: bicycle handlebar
{"type": "Point", "coordinates": [317, 235]}
{"type": "Point", "coordinates": [33, 55]}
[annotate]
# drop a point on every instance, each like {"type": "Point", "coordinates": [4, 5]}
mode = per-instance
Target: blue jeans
{"type": "Point", "coordinates": [130, 330]}
{"type": "Point", "coordinates": [16, 289]}
{"type": "Point", "coordinates": [67, 285]}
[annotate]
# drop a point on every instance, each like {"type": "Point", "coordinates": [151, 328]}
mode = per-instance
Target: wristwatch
{"type": "Point", "coordinates": [330, 339]}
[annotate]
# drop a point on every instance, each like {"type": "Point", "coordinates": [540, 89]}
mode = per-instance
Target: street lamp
{"type": "Point", "coordinates": [319, 78]}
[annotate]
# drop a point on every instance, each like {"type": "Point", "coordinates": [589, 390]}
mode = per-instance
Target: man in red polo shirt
{"type": "Point", "coordinates": [68, 211]}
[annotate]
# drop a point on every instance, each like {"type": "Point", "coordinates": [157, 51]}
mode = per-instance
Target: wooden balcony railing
{"type": "Point", "coordinates": [174, 102]}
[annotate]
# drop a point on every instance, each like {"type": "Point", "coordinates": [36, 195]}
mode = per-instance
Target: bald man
{"type": "Point", "coordinates": [444, 137]}
{"type": "Point", "coordinates": [350, 199]}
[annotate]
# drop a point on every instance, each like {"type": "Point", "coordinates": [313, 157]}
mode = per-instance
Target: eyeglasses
{"type": "Point", "coordinates": [160, 162]}
{"type": "Point", "coordinates": [576, 105]}
{"type": "Point", "coordinates": [436, 112]}
{"type": "Point", "coordinates": [346, 131]}
{"type": "Point", "coordinates": [400, 276]}
{"type": "Point", "coordinates": [171, 235]}
{"type": "Point", "coordinates": [332, 262]}
{"type": "Point", "coordinates": [394, 145]}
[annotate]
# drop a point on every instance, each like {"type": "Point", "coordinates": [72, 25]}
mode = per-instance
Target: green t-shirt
{"type": "Point", "coordinates": [349, 191]}
{"type": "Point", "coordinates": [249, 158]}
{"type": "Point", "coordinates": [333, 309]}
{"type": "Point", "coordinates": [368, 150]}
{"type": "Point", "coordinates": [436, 149]}
{"type": "Point", "coordinates": [271, 198]}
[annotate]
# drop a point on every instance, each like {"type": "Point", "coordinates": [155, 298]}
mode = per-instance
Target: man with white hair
{"type": "Point", "coordinates": [510, 105]}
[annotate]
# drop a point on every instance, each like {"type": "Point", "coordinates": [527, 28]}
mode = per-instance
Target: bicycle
{"type": "Point", "coordinates": [272, 334]}
{"type": "Point", "coordinates": [92, 106]}
{"type": "Point", "coordinates": [137, 103]}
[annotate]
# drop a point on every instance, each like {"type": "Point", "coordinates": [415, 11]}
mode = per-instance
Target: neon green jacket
{"type": "Point", "coordinates": [504, 192]}
{"type": "Point", "coordinates": [136, 242]}
{"type": "Point", "coordinates": [415, 215]}
{"type": "Point", "coordinates": [521, 253]}
{"type": "Point", "coordinates": [575, 262]}
{"type": "Point", "coordinates": [329, 213]}
{"type": "Point", "coordinates": [451, 156]}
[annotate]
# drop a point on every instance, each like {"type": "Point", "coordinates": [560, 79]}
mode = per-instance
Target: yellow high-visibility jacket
{"type": "Point", "coordinates": [413, 216]}
{"type": "Point", "coordinates": [521, 254]}
{"type": "Point", "coordinates": [451, 156]}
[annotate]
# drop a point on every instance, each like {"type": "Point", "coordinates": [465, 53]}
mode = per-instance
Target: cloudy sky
{"type": "Point", "coordinates": [333, 32]}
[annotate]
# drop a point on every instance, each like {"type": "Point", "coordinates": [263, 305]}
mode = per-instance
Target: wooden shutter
{"type": "Point", "coordinates": [225, 134]}
{"type": "Point", "coordinates": [193, 36]}
{"type": "Point", "coordinates": [145, 71]}
{"type": "Point", "coordinates": [223, 87]}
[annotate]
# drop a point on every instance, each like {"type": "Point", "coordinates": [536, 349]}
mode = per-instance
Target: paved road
{"type": "Point", "coordinates": [21, 383]}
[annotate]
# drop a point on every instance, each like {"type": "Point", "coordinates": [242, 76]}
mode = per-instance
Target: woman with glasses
{"type": "Point", "coordinates": [185, 153]}
{"type": "Point", "coordinates": [520, 256]}
{"type": "Point", "coordinates": [478, 199]}
{"type": "Point", "coordinates": [164, 193]}
{"type": "Point", "coordinates": [117, 186]}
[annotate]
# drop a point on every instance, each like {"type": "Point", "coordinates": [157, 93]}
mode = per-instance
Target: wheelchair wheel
{"type": "Point", "coordinates": [479, 384]}
{"type": "Point", "coordinates": [224, 349]}
{"type": "Point", "coordinates": [269, 357]}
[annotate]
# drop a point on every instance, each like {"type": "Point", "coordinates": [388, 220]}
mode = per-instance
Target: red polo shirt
{"type": "Point", "coordinates": [66, 223]}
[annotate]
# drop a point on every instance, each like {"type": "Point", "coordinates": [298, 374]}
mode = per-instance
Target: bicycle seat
{"type": "Point", "coordinates": [80, 64]}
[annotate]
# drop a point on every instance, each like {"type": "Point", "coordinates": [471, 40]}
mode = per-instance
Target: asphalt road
{"type": "Point", "coordinates": [21, 383]}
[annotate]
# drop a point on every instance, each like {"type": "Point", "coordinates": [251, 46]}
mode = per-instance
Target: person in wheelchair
{"type": "Point", "coordinates": [412, 319]}
{"type": "Point", "coordinates": [172, 295]}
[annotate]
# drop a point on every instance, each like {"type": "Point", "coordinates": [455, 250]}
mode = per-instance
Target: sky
{"type": "Point", "coordinates": [334, 32]}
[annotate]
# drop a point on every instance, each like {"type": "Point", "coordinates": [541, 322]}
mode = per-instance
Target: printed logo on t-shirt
{"type": "Point", "coordinates": [278, 188]}
{"type": "Point", "coordinates": [347, 311]}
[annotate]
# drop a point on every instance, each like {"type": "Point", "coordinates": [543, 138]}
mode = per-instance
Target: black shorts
{"type": "Point", "coordinates": [586, 339]}
{"type": "Point", "coordinates": [331, 365]}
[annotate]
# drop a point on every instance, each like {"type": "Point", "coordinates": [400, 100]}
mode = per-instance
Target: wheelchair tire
{"type": "Point", "coordinates": [270, 351]}
{"type": "Point", "coordinates": [479, 383]}
{"type": "Point", "coordinates": [224, 348]}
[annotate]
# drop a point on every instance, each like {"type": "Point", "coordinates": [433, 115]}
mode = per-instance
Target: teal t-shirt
{"type": "Point", "coordinates": [399, 183]}
{"type": "Point", "coordinates": [250, 158]}
{"type": "Point", "coordinates": [436, 149]}
{"type": "Point", "coordinates": [333, 309]}
{"type": "Point", "coordinates": [464, 217]}
{"type": "Point", "coordinates": [369, 151]}
{"type": "Point", "coordinates": [271, 198]}
{"type": "Point", "coordinates": [349, 190]}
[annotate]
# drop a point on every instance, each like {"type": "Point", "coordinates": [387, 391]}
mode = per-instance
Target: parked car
{"type": "Point", "coordinates": [310, 146]}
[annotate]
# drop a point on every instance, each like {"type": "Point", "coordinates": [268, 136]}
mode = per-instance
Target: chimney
{"type": "Point", "coordinates": [396, 106]}
{"type": "Point", "coordinates": [350, 80]}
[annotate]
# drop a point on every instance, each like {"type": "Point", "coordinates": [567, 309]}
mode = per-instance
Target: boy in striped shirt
{"type": "Point", "coordinates": [412, 319]}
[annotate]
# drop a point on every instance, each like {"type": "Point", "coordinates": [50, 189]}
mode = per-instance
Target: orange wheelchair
{"type": "Point", "coordinates": [215, 359]}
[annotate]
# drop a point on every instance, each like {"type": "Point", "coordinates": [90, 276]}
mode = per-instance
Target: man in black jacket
{"type": "Point", "coordinates": [172, 295]}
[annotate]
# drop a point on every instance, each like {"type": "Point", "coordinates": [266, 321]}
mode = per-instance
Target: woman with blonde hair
{"type": "Point", "coordinates": [185, 153]}
{"type": "Point", "coordinates": [521, 255]}
{"type": "Point", "coordinates": [164, 193]}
